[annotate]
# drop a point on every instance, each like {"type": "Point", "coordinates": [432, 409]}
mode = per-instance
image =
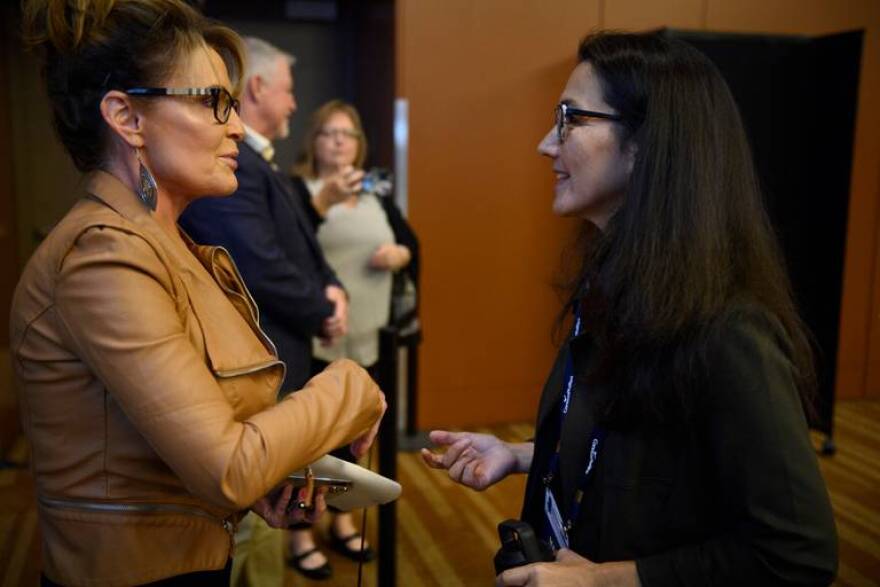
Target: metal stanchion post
{"type": "Point", "coordinates": [412, 370]}
{"type": "Point", "coordinates": [388, 456]}
{"type": "Point", "coordinates": [413, 440]}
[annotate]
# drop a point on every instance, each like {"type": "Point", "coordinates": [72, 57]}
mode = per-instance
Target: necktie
{"type": "Point", "coordinates": [268, 154]}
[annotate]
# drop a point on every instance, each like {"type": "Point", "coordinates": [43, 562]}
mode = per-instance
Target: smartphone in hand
{"type": "Point", "coordinates": [299, 479]}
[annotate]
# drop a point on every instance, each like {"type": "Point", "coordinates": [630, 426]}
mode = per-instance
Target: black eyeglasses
{"type": "Point", "coordinates": [565, 113]}
{"type": "Point", "coordinates": [221, 100]}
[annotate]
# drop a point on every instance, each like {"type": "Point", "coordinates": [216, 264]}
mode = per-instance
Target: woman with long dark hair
{"type": "Point", "coordinates": [671, 441]}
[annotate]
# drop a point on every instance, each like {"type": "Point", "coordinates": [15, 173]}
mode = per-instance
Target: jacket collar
{"type": "Point", "coordinates": [259, 143]}
{"type": "Point", "coordinates": [110, 190]}
{"type": "Point", "coordinates": [246, 151]}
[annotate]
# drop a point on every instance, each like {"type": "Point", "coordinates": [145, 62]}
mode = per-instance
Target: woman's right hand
{"type": "Point", "coordinates": [337, 188]}
{"type": "Point", "coordinates": [390, 257]}
{"type": "Point", "coordinates": [476, 460]}
{"type": "Point", "coordinates": [273, 508]}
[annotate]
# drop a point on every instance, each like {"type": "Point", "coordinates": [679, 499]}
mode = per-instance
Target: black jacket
{"type": "Point", "coordinates": [736, 498]}
{"type": "Point", "coordinates": [267, 232]}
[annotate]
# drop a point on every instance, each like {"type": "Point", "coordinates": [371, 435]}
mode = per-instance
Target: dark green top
{"type": "Point", "coordinates": [735, 498]}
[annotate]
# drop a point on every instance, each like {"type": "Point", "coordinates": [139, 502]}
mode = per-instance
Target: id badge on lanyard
{"type": "Point", "coordinates": [556, 528]}
{"type": "Point", "coordinates": [559, 528]}
{"type": "Point", "coordinates": [558, 535]}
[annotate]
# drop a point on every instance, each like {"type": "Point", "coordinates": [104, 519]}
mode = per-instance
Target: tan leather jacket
{"type": "Point", "coordinates": [148, 394]}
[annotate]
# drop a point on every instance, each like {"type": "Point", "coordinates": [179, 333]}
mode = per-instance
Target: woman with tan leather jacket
{"type": "Point", "coordinates": [147, 389]}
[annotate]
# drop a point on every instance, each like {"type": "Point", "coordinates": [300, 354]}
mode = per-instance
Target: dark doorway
{"type": "Point", "coordinates": [798, 99]}
{"type": "Point", "coordinates": [344, 49]}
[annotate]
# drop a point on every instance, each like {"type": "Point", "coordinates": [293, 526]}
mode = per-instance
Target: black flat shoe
{"type": "Point", "coordinates": [340, 545]}
{"type": "Point", "coordinates": [321, 573]}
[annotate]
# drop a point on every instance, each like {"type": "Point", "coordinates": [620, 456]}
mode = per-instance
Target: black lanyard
{"type": "Point", "coordinates": [596, 437]}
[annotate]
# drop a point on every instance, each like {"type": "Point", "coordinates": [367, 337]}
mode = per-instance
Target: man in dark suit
{"type": "Point", "coordinates": [266, 230]}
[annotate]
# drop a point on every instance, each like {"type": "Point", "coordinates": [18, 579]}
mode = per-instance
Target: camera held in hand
{"type": "Point", "coordinates": [377, 181]}
{"type": "Point", "coordinates": [519, 546]}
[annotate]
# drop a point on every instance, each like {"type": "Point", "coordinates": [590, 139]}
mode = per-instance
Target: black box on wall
{"type": "Point", "coordinates": [798, 98]}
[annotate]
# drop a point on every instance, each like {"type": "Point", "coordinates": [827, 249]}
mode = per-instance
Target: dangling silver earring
{"type": "Point", "coordinates": [147, 189]}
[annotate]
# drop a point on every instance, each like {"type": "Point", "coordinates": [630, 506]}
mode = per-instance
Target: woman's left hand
{"type": "Point", "coordinates": [276, 514]}
{"type": "Point", "coordinates": [571, 570]}
{"type": "Point", "coordinates": [335, 325]}
{"type": "Point", "coordinates": [361, 445]}
{"type": "Point", "coordinates": [390, 257]}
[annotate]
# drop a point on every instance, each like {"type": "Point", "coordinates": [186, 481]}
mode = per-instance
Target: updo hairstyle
{"type": "Point", "coordinates": [94, 46]}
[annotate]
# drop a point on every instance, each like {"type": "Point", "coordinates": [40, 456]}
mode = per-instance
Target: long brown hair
{"type": "Point", "coordinates": [94, 46]}
{"type": "Point", "coordinates": [306, 165]}
{"type": "Point", "coordinates": [691, 249]}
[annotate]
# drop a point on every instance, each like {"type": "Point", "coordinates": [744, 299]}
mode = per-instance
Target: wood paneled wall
{"type": "Point", "coordinates": [482, 77]}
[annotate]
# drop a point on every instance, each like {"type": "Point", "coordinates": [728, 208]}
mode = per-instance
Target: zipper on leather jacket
{"type": "Point", "coordinates": [254, 312]}
{"type": "Point", "coordinates": [230, 529]}
{"type": "Point", "coordinates": [247, 370]}
{"type": "Point", "coordinates": [142, 508]}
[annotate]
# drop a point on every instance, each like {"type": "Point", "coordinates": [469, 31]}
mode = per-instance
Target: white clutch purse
{"type": "Point", "coordinates": [350, 486]}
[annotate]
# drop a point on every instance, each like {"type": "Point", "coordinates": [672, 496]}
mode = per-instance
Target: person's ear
{"type": "Point", "coordinates": [253, 87]}
{"type": "Point", "coordinates": [119, 113]}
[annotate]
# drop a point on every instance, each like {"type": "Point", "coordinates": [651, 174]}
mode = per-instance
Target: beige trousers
{"type": "Point", "coordinates": [259, 554]}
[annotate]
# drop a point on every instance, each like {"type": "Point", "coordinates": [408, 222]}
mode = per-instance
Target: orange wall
{"type": "Point", "coordinates": [482, 77]}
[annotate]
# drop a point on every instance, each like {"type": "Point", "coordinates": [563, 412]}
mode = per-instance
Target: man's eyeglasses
{"type": "Point", "coordinates": [336, 133]}
{"type": "Point", "coordinates": [565, 113]}
{"type": "Point", "coordinates": [221, 100]}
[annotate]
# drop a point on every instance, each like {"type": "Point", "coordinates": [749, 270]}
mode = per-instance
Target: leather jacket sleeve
{"type": "Point", "coordinates": [119, 310]}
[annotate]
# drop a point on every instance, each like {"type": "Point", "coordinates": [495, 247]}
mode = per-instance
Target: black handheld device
{"type": "Point", "coordinates": [519, 546]}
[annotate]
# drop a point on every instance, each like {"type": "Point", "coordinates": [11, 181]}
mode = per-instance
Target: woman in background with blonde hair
{"type": "Point", "coordinates": [147, 389]}
{"type": "Point", "coordinates": [365, 239]}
